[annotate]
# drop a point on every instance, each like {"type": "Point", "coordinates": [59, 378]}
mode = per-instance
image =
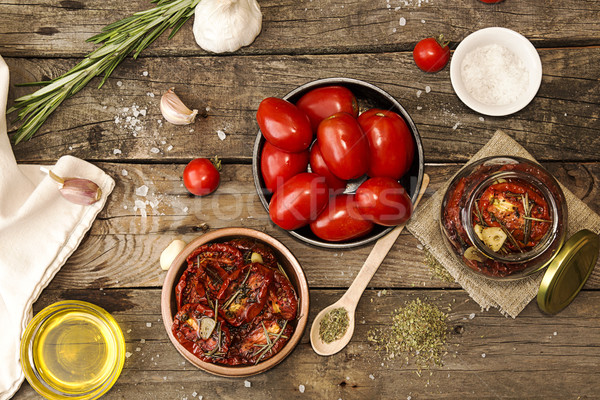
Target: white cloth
{"type": "Point", "coordinates": [39, 230]}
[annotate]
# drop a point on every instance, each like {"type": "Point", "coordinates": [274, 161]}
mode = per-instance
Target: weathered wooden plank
{"type": "Point", "coordinates": [94, 125]}
{"type": "Point", "coordinates": [123, 247]}
{"type": "Point", "coordinates": [60, 28]}
{"type": "Point", "coordinates": [489, 356]}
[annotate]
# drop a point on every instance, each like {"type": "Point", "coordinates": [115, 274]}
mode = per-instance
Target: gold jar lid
{"type": "Point", "coordinates": [568, 272]}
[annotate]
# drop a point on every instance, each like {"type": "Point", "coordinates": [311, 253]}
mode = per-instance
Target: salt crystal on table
{"type": "Point", "coordinates": [124, 172]}
{"type": "Point", "coordinates": [221, 134]}
{"type": "Point", "coordinates": [155, 150]}
{"type": "Point", "coordinates": [247, 383]}
{"type": "Point", "coordinates": [119, 83]}
{"type": "Point", "coordinates": [427, 89]}
{"type": "Point", "coordinates": [301, 388]}
{"type": "Point", "coordinates": [169, 148]}
{"type": "Point", "coordinates": [402, 21]}
{"type": "Point", "coordinates": [472, 315]}
{"type": "Point", "coordinates": [145, 73]}
{"type": "Point", "coordinates": [127, 354]}
{"type": "Point", "coordinates": [143, 112]}
{"type": "Point", "coordinates": [149, 324]}
{"type": "Point", "coordinates": [419, 93]}
{"type": "Point", "coordinates": [142, 191]}
{"type": "Point", "coordinates": [117, 151]}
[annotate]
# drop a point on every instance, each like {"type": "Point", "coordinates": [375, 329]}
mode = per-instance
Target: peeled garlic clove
{"type": "Point", "coordinates": [494, 237]}
{"type": "Point", "coordinates": [226, 25]}
{"type": "Point", "coordinates": [78, 190]}
{"type": "Point", "coordinates": [169, 254]}
{"type": "Point", "coordinates": [174, 111]}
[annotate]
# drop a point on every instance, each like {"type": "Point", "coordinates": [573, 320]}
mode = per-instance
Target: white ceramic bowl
{"type": "Point", "coordinates": [515, 43]}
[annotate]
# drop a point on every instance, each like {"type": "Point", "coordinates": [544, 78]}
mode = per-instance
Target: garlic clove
{"type": "Point", "coordinates": [78, 190]}
{"type": "Point", "coordinates": [169, 253]}
{"type": "Point", "coordinates": [226, 25]}
{"type": "Point", "coordinates": [174, 111]}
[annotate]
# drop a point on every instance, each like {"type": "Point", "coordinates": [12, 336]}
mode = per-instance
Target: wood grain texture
{"type": "Point", "coordinates": [489, 356]}
{"type": "Point", "coordinates": [123, 246]}
{"type": "Point", "coordinates": [93, 124]}
{"type": "Point", "coordinates": [58, 28]}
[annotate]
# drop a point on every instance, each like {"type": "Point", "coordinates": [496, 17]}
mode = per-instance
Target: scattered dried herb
{"type": "Point", "coordinates": [437, 270]}
{"type": "Point", "coordinates": [334, 325]}
{"type": "Point", "coordinates": [418, 330]}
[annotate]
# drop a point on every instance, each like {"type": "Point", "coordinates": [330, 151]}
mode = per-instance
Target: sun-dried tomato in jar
{"type": "Point", "coordinates": [504, 217]}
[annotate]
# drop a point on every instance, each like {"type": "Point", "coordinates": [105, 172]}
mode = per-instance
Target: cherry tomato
{"type": "Point", "coordinates": [277, 166]}
{"type": "Point", "coordinates": [390, 142]}
{"type": "Point", "coordinates": [432, 54]}
{"type": "Point", "coordinates": [491, 1]}
{"type": "Point", "coordinates": [322, 102]}
{"type": "Point", "coordinates": [201, 176]}
{"type": "Point", "coordinates": [284, 125]}
{"type": "Point", "coordinates": [318, 166]}
{"type": "Point", "coordinates": [341, 220]}
{"type": "Point", "coordinates": [299, 200]}
{"type": "Point", "coordinates": [384, 201]}
{"type": "Point", "coordinates": [344, 146]}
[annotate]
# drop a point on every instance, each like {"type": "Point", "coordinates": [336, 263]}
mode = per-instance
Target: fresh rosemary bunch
{"type": "Point", "coordinates": [119, 39]}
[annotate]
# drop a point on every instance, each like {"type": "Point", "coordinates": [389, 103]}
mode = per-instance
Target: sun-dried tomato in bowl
{"type": "Point", "coordinates": [236, 305]}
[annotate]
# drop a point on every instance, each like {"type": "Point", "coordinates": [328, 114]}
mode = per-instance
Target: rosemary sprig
{"type": "Point", "coordinates": [537, 219]}
{"type": "Point", "coordinates": [237, 292]}
{"type": "Point", "coordinates": [270, 343]}
{"type": "Point", "coordinates": [507, 232]}
{"type": "Point", "coordinates": [119, 39]}
{"type": "Point", "coordinates": [527, 222]}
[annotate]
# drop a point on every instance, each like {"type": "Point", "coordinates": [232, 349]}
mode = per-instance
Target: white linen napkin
{"type": "Point", "coordinates": [39, 230]}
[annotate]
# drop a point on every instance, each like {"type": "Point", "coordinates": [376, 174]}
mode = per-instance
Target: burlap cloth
{"type": "Point", "coordinates": [509, 297]}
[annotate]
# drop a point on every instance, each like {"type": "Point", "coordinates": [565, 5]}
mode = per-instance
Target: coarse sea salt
{"type": "Point", "coordinates": [494, 75]}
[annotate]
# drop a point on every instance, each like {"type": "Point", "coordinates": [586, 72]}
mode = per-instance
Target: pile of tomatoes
{"type": "Point", "coordinates": [325, 132]}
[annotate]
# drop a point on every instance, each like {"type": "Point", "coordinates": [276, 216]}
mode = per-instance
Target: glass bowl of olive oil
{"type": "Point", "coordinates": [72, 350]}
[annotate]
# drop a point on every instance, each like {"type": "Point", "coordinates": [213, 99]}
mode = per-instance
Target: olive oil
{"type": "Point", "coordinates": [76, 352]}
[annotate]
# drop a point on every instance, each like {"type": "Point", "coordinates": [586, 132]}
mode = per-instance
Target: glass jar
{"type": "Point", "coordinates": [504, 217]}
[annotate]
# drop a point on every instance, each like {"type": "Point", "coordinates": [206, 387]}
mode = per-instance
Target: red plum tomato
{"type": "Point", "coordinates": [390, 142]}
{"type": "Point", "coordinates": [277, 166]}
{"type": "Point", "coordinates": [299, 200]}
{"type": "Point", "coordinates": [344, 146]}
{"type": "Point", "coordinates": [384, 201]}
{"type": "Point", "coordinates": [341, 220]}
{"type": "Point", "coordinates": [431, 54]}
{"type": "Point", "coordinates": [318, 166]}
{"type": "Point", "coordinates": [284, 125]}
{"type": "Point", "coordinates": [322, 102]}
{"type": "Point", "coordinates": [201, 177]}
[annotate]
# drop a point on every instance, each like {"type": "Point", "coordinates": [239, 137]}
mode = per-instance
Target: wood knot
{"type": "Point", "coordinates": [47, 31]}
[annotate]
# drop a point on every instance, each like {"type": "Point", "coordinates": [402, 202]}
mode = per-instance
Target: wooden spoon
{"type": "Point", "coordinates": [350, 299]}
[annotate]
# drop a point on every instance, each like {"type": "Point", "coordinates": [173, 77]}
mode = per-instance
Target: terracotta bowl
{"type": "Point", "coordinates": [368, 96]}
{"type": "Point", "coordinates": [288, 262]}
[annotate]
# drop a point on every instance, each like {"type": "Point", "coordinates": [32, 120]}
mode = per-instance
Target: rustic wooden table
{"type": "Point", "coordinates": [534, 356]}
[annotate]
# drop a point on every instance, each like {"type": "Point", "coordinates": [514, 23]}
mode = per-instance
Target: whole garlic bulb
{"type": "Point", "coordinates": [226, 25]}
